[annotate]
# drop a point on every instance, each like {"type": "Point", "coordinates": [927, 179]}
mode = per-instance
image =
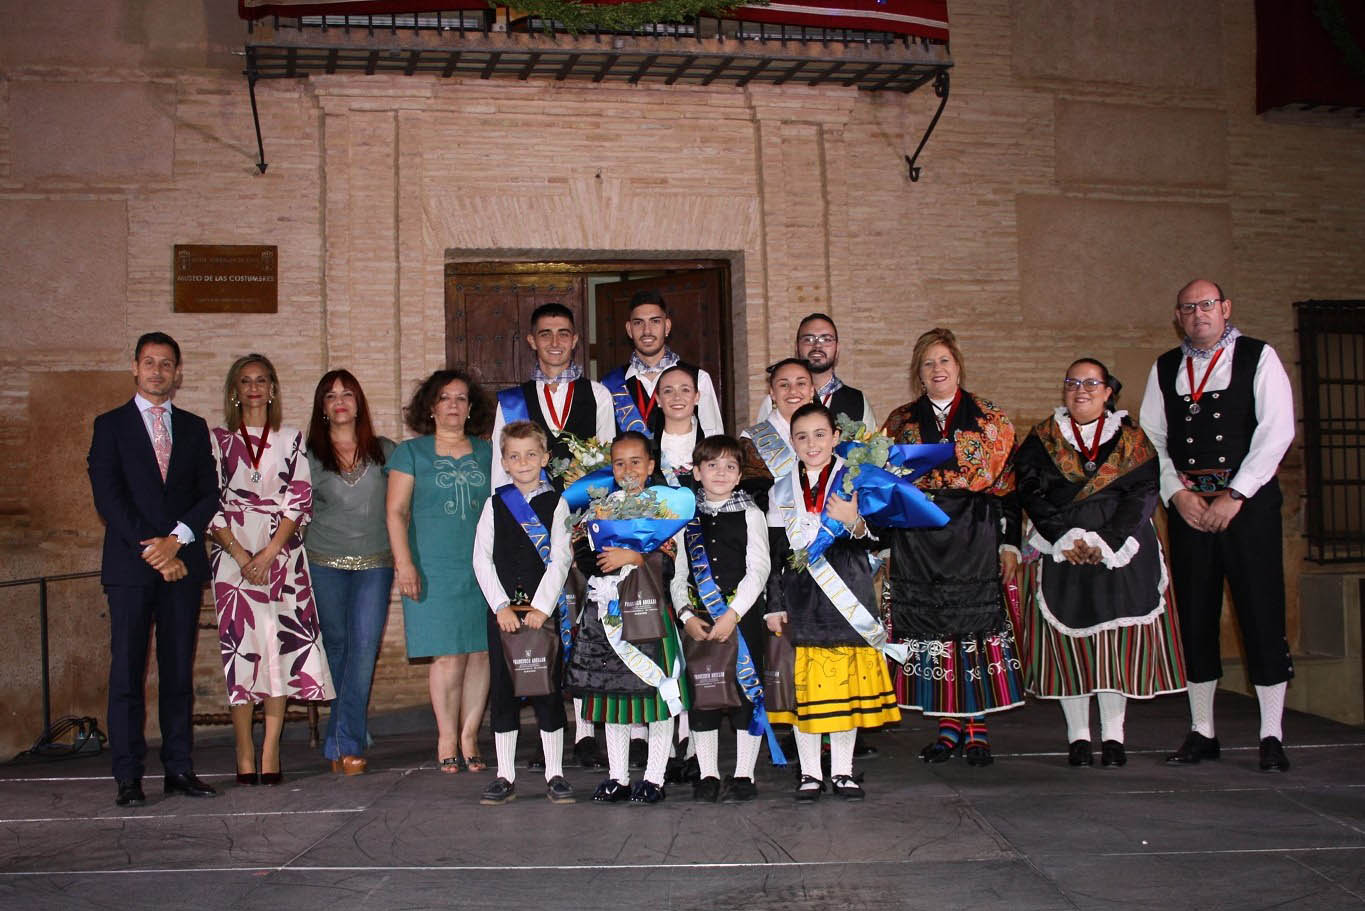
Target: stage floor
{"type": "Point", "coordinates": [1028, 832]}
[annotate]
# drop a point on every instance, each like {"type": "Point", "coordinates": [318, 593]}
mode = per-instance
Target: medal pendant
{"type": "Point", "coordinates": [255, 476]}
{"type": "Point", "coordinates": [1194, 407]}
{"type": "Point", "coordinates": [1090, 466]}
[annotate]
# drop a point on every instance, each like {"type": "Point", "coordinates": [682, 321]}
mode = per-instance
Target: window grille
{"type": "Point", "coordinates": [1332, 371]}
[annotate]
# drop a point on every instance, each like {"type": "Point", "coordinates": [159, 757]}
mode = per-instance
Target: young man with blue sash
{"type": "Point", "coordinates": [522, 556]}
{"type": "Point", "coordinates": [719, 580]}
{"type": "Point", "coordinates": [633, 387]}
{"type": "Point", "coordinates": [558, 396]}
{"type": "Point", "coordinates": [560, 399]}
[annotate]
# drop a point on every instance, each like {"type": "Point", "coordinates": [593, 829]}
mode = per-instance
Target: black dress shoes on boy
{"type": "Point", "coordinates": [1195, 749]}
{"type": "Point", "coordinates": [188, 784]}
{"type": "Point", "coordinates": [130, 793]}
{"type": "Point", "coordinates": [1113, 754]}
{"type": "Point", "coordinates": [611, 791]}
{"type": "Point", "coordinates": [1079, 753]}
{"type": "Point", "coordinates": [1273, 758]}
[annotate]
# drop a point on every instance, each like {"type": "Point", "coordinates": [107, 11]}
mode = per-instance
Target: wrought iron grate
{"type": "Point", "coordinates": [1332, 370]}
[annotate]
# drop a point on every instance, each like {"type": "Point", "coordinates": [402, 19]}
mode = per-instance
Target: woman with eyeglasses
{"type": "Point", "coordinates": [1099, 618]}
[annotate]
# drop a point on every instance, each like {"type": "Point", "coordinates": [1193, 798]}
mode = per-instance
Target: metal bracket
{"type": "Point", "coordinates": [251, 77]}
{"type": "Point", "coordinates": [941, 90]}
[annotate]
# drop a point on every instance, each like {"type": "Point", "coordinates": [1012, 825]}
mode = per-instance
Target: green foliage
{"type": "Point", "coordinates": [581, 17]}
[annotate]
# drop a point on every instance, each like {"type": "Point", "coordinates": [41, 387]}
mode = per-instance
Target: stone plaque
{"type": "Point", "coordinates": [226, 278]}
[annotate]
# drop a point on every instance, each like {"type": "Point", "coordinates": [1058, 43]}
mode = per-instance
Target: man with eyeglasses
{"type": "Point", "coordinates": [817, 341]}
{"type": "Point", "coordinates": [1220, 411]}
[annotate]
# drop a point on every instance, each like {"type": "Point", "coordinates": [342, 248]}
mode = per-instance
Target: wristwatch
{"type": "Point", "coordinates": [1235, 495]}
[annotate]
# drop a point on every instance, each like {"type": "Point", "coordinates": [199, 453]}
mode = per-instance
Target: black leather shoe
{"type": "Point", "coordinates": [706, 790]}
{"type": "Point", "coordinates": [977, 754]}
{"type": "Point", "coordinates": [1112, 753]}
{"type": "Point", "coordinates": [585, 753]}
{"type": "Point", "coordinates": [1273, 758]}
{"type": "Point", "coordinates": [130, 793]}
{"type": "Point", "coordinates": [940, 751]}
{"type": "Point", "coordinates": [186, 783]}
{"type": "Point", "coordinates": [499, 792]}
{"type": "Point", "coordinates": [844, 786]}
{"type": "Point", "coordinates": [249, 778]}
{"type": "Point", "coordinates": [807, 794]}
{"type": "Point", "coordinates": [1079, 753]}
{"type": "Point", "coordinates": [739, 790]}
{"type": "Point", "coordinates": [611, 791]}
{"type": "Point", "coordinates": [1196, 748]}
{"type": "Point", "coordinates": [646, 791]}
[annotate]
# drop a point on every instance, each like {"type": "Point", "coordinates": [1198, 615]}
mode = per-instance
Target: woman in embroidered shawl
{"type": "Point", "coordinates": [1099, 618]}
{"type": "Point", "coordinates": [268, 630]}
{"type": "Point", "coordinates": [945, 588]}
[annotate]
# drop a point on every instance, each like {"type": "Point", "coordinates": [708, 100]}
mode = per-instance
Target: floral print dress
{"type": "Point", "coordinates": [268, 634]}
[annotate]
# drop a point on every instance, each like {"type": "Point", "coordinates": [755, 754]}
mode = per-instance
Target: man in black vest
{"type": "Point", "coordinates": [817, 341]}
{"type": "Point", "coordinates": [156, 488]}
{"type": "Point", "coordinates": [648, 325]}
{"type": "Point", "coordinates": [557, 397]}
{"type": "Point", "coordinates": [1220, 411]}
{"type": "Point", "coordinates": [560, 399]}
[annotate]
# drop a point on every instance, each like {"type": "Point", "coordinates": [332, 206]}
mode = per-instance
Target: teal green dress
{"type": "Point", "coordinates": [450, 618]}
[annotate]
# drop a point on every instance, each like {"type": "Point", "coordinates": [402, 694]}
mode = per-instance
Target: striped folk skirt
{"type": "Point", "coordinates": [961, 677]}
{"type": "Point", "coordinates": [839, 688]}
{"type": "Point", "coordinates": [1139, 661]}
{"type": "Point", "coordinates": [620, 708]}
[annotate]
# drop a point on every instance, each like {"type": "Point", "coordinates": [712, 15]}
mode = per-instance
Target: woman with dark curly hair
{"type": "Point", "coordinates": [438, 483]}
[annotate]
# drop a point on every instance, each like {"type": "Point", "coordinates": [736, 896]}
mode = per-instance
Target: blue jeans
{"type": "Point", "coordinates": [353, 606]}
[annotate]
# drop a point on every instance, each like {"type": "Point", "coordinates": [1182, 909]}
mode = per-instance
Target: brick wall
{"type": "Point", "coordinates": [1090, 161]}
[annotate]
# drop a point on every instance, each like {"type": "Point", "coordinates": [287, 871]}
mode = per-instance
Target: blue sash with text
{"type": "Point", "coordinates": [540, 537]}
{"type": "Point", "coordinates": [708, 592]}
{"type": "Point", "coordinates": [628, 415]}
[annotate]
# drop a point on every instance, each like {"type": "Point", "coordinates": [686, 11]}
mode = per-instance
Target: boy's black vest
{"type": "Point", "coordinates": [515, 558]}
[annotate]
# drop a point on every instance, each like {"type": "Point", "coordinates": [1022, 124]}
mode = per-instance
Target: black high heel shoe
{"type": "Point", "coordinates": [940, 751]}
{"type": "Point", "coordinates": [248, 778]}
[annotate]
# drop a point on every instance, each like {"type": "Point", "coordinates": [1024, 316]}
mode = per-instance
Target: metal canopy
{"type": "Point", "coordinates": [705, 52]}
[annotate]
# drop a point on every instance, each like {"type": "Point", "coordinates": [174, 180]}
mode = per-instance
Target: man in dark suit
{"type": "Point", "coordinates": [155, 487]}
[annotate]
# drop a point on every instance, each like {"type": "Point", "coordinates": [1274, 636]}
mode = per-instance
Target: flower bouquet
{"type": "Point", "coordinates": [882, 474]}
{"type": "Point", "coordinates": [586, 474]}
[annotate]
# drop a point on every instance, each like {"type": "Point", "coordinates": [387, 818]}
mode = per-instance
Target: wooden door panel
{"type": "Point", "coordinates": [488, 315]}
{"type": "Point", "coordinates": [695, 307]}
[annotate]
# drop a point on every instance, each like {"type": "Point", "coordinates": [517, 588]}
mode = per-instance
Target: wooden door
{"type": "Point", "coordinates": [488, 317]}
{"type": "Point", "coordinates": [700, 335]}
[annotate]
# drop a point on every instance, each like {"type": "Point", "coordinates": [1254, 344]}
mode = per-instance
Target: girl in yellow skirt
{"type": "Point", "coordinates": [841, 681]}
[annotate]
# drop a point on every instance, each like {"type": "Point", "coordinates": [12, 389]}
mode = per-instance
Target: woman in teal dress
{"type": "Point", "coordinates": [438, 483]}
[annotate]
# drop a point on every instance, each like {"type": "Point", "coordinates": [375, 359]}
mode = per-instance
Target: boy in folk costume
{"type": "Point", "coordinates": [622, 682]}
{"type": "Point", "coordinates": [841, 679]}
{"type": "Point", "coordinates": [719, 579]}
{"type": "Point", "coordinates": [521, 558]}
{"type": "Point", "coordinates": [561, 400]}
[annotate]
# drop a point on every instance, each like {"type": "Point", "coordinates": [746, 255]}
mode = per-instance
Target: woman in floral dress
{"type": "Point", "coordinates": [946, 595]}
{"type": "Point", "coordinates": [267, 621]}
{"type": "Point", "coordinates": [438, 483]}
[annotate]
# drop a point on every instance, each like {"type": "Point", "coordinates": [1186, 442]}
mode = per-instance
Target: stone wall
{"type": "Point", "coordinates": [1090, 161]}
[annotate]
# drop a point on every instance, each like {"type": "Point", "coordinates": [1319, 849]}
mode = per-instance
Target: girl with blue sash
{"type": "Point", "coordinates": [842, 683]}
{"type": "Point", "coordinates": [719, 579]}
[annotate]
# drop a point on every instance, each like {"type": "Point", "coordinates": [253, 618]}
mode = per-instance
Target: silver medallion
{"type": "Point", "coordinates": [255, 476]}
{"type": "Point", "coordinates": [1194, 407]}
{"type": "Point", "coordinates": [1090, 466]}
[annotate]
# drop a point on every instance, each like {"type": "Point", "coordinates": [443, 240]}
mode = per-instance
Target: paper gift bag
{"type": "Point", "coordinates": [641, 599]}
{"type": "Point", "coordinates": [711, 671]}
{"type": "Point", "coordinates": [779, 667]}
{"type": "Point", "coordinates": [531, 656]}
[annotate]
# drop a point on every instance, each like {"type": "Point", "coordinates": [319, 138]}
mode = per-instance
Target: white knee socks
{"type": "Point", "coordinates": [1201, 706]}
{"type": "Point", "coordinates": [618, 752]}
{"type": "Point", "coordinates": [1113, 706]}
{"type": "Point", "coordinates": [1076, 710]}
{"type": "Point", "coordinates": [841, 752]}
{"type": "Point", "coordinates": [660, 745]}
{"type": "Point", "coordinates": [506, 746]}
{"type": "Point", "coordinates": [808, 749]}
{"type": "Point", "coordinates": [746, 754]}
{"type": "Point", "coordinates": [553, 744]}
{"type": "Point", "coordinates": [581, 728]}
{"type": "Point", "coordinates": [1271, 700]}
{"type": "Point", "coordinates": [708, 752]}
